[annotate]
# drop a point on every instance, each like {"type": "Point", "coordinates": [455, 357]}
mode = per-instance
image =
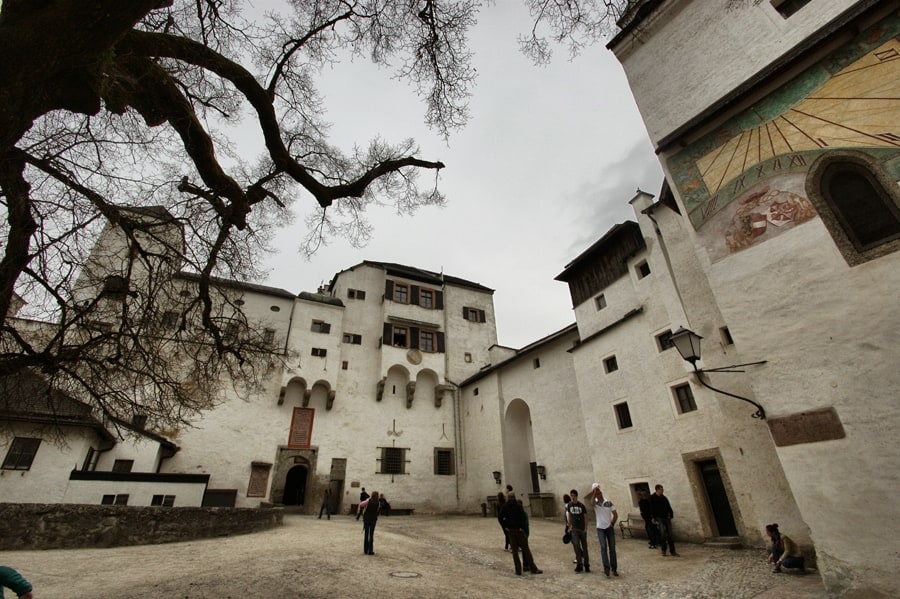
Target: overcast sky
{"type": "Point", "coordinates": [545, 167]}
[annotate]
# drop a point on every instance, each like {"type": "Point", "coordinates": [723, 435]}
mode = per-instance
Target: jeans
{"type": "Point", "coordinates": [580, 544]}
{"type": "Point", "coordinates": [325, 508]}
{"type": "Point", "coordinates": [665, 534]}
{"type": "Point", "coordinates": [518, 540]}
{"type": "Point", "coordinates": [369, 537]}
{"type": "Point", "coordinates": [607, 537]}
{"type": "Point", "coordinates": [652, 531]}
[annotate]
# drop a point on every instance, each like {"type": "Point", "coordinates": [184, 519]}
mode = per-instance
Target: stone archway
{"type": "Point", "coordinates": [518, 448]}
{"type": "Point", "coordinates": [293, 478]}
{"type": "Point", "coordinates": [295, 486]}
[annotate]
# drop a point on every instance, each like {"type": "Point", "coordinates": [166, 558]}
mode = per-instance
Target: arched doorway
{"type": "Point", "coordinates": [518, 448]}
{"type": "Point", "coordinates": [295, 486]}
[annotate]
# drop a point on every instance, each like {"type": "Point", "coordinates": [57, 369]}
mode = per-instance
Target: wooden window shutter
{"type": "Point", "coordinates": [481, 317]}
{"type": "Point", "coordinates": [439, 300]}
{"type": "Point", "coordinates": [414, 295]}
{"type": "Point", "coordinates": [440, 342]}
{"type": "Point", "coordinates": [386, 334]}
{"type": "Point", "coordinates": [465, 313]}
{"type": "Point", "coordinates": [389, 290]}
{"type": "Point", "coordinates": [414, 337]}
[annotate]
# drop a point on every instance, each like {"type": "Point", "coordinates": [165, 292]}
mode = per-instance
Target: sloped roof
{"type": "Point", "coordinates": [222, 282]}
{"type": "Point", "coordinates": [417, 274]}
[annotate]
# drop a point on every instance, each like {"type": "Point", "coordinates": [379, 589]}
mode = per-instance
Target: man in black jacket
{"type": "Point", "coordinates": [662, 517]}
{"type": "Point", "coordinates": [512, 518]}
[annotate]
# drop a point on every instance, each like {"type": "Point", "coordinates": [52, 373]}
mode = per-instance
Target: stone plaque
{"type": "Point", "coordinates": [806, 427]}
{"type": "Point", "coordinates": [301, 427]}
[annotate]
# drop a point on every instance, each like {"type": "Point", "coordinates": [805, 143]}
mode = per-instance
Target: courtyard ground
{"type": "Point", "coordinates": [415, 556]}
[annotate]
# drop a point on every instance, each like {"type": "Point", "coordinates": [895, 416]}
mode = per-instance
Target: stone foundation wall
{"type": "Point", "coordinates": [73, 526]}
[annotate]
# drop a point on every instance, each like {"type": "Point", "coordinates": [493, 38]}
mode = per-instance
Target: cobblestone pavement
{"type": "Point", "coordinates": [415, 556]}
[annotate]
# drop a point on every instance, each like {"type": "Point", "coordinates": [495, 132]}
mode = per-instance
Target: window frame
{"type": "Point", "coordinates": [393, 460]}
{"type": "Point", "coordinates": [664, 341]}
{"type": "Point", "coordinates": [162, 501]}
{"type": "Point", "coordinates": [642, 269]}
{"type": "Point", "coordinates": [320, 326]}
{"type": "Point", "coordinates": [319, 352]}
{"type": "Point", "coordinates": [21, 453]}
{"type": "Point", "coordinates": [447, 465]}
{"type": "Point", "coordinates": [623, 416]}
{"type": "Point", "coordinates": [423, 293]}
{"type": "Point", "coordinates": [123, 466]}
{"type": "Point", "coordinates": [400, 294]}
{"type": "Point", "coordinates": [600, 301]}
{"type": "Point", "coordinates": [427, 341]}
{"type": "Point", "coordinates": [680, 401]}
{"type": "Point", "coordinates": [351, 338]}
{"type": "Point", "coordinates": [610, 364]}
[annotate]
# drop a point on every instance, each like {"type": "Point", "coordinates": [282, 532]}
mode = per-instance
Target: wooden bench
{"type": "Point", "coordinates": [393, 511]}
{"type": "Point", "coordinates": [631, 523]}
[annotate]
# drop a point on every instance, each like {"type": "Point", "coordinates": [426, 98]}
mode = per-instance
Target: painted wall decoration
{"type": "Point", "coordinates": [745, 182]}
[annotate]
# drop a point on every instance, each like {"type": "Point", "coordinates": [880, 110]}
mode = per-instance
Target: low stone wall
{"type": "Point", "coordinates": [73, 526]}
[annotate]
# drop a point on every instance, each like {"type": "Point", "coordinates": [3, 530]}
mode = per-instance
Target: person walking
{"type": "Point", "coordinates": [606, 515]}
{"type": "Point", "coordinates": [647, 516]}
{"type": "Point", "coordinates": [501, 502]}
{"type": "Point", "coordinates": [513, 518]}
{"type": "Point", "coordinates": [575, 524]}
{"type": "Point", "coordinates": [369, 508]}
{"type": "Point", "coordinates": [14, 581]}
{"type": "Point", "coordinates": [326, 504]}
{"type": "Point", "coordinates": [662, 517]}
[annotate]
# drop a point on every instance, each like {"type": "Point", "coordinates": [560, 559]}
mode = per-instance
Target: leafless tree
{"type": "Point", "coordinates": [115, 115]}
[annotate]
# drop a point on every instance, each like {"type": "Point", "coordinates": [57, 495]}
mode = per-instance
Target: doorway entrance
{"type": "Point", "coordinates": [295, 486]}
{"type": "Point", "coordinates": [717, 498]}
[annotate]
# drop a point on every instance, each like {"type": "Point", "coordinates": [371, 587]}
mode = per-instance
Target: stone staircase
{"type": "Point", "coordinates": [723, 542]}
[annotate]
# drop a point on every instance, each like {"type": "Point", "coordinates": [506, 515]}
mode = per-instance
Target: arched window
{"type": "Point", "coordinates": [858, 203]}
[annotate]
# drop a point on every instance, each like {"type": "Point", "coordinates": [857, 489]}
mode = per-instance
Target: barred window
{"type": "Point", "coordinates": [443, 461]}
{"type": "Point", "coordinates": [393, 460]}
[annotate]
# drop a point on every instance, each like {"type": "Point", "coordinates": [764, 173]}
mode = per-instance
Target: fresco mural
{"type": "Point", "coordinates": [745, 183]}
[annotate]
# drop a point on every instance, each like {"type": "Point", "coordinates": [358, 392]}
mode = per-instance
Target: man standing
{"type": "Point", "coordinates": [662, 517]}
{"type": "Point", "coordinates": [512, 519]}
{"type": "Point", "coordinates": [575, 524]}
{"type": "Point", "coordinates": [326, 504]}
{"type": "Point", "coordinates": [606, 532]}
{"type": "Point", "coordinates": [362, 497]}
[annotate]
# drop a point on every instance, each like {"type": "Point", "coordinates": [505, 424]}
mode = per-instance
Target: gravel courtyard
{"type": "Point", "coordinates": [415, 556]}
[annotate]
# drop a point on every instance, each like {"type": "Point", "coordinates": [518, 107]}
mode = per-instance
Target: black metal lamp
{"type": "Point", "coordinates": [542, 472]}
{"type": "Point", "coordinates": [687, 342]}
{"type": "Point", "coordinates": [497, 478]}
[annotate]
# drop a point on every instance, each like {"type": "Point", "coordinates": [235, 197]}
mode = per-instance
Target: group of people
{"type": "Point", "coordinates": [605, 517]}
{"type": "Point", "coordinates": [514, 521]}
{"type": "Point", "coordinates": [657, 514]}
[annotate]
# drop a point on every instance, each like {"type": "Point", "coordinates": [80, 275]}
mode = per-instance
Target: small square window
{"type": "Point", "coordinates": [345, 365]}
{"type": "Point", "coordinates": [664, 341]}
{"type": "Point", "coordinates": [537, 362]}
{"type": "Point", "coordinates": [319, 326]}
{"type": "Point", "coordinates": [684, 398]}
{"type": "Point", "coordinates": [352, 338]}
{"type": "Point", "coordinates": [21, 453]}
{"type": "Point", "coordinates": [467, 357]}
{"type": "Point", "coordinates": [623, 415]}
{"type": "Point", "coordinates": [393, 460]}
{"type": "Point", "coordinates": [163, 500]}
{"type": "Point", "coordinates": [610, 364]}
{"type": "Point", "coordinates": [600, 300]}
{"type": "Point", "coordinates": [123, 465]}
{"type": "Point", "coordinates": [319, 352]}
{"type": "Point", "coordinates": [642, 269]}
{"type": "Point", "coordinates": [356, 294]}
{"type": "Point", "coordinates": [268, 336]}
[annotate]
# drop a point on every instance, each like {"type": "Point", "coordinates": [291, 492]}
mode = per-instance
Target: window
{"type": "Point", "coordinates": [170, 319]}
{"type": "Point", "coordinates": [858, 203]}
{"type": "Point", "coordinates": [426, 298]}
{"type": "Point", "coordinates": [642, 269]}
{"type": "Point", "coordinates": [268, 336]}
{"type": "Point", "coordinates": [114, 500]}
{"type": "Point", "coordinates": [356, 294]}
{"type": "Point", "coordinates": [600, 300]}
{"type": "Point", "coordinates": [21, 453]}
{"type": "Point", "coordinates": [123, 465]}
{"type": "Point", "coordinates": [474, 314]}
{"type": "Point", "coordinates": [426, 341]}
{"type": "Point", "coordinates": [345, 365]}
{"type": "Point", "coordinates": [443, 461]}
{"type": "Point", "coordinates": [352, 338]}
{"type": "Point", "coordinates": [163, 500]}
{"type": "Point", "coordinates": [401, 294]}
{"type": "Point", "coordinates": [475, 392]}
{"type": "Point", "coordinates": [610, 364]}
{"type": "Point", "coordinates": [684, 398]}
{"type": "Point", "coordinates": [115, 286]}
{"type": "Point", "coordinates": [400, 337]}
{"type": "Point", "coordinates": [319, 326]}
{"type": "Point", "coordinates": [726, 336]}
{"type": "Point", "coordinates": [536, 362]}
{"type": "Point", "coordinates": [786, 8]}
{"type": "Point", "coordinates": [90, 460]}
{"type": "Point", "coordinates": [623, 415]}
{"type": "Point", "coordinates": [467, 357]}
{"type": "Point", "coordinates": [319, 352]}
{"type": "Point", "coordinates": [636, 490]}
{"type": "Point", "coordinates": [664, 341]}
{"type": "Point", "coordinates": [274, 308]}
{"type": "Point", "coordinates": [393, 460]}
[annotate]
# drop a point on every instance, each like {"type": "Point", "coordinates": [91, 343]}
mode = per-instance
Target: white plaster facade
{"type": "Point", "coordinates": [818, 309]}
